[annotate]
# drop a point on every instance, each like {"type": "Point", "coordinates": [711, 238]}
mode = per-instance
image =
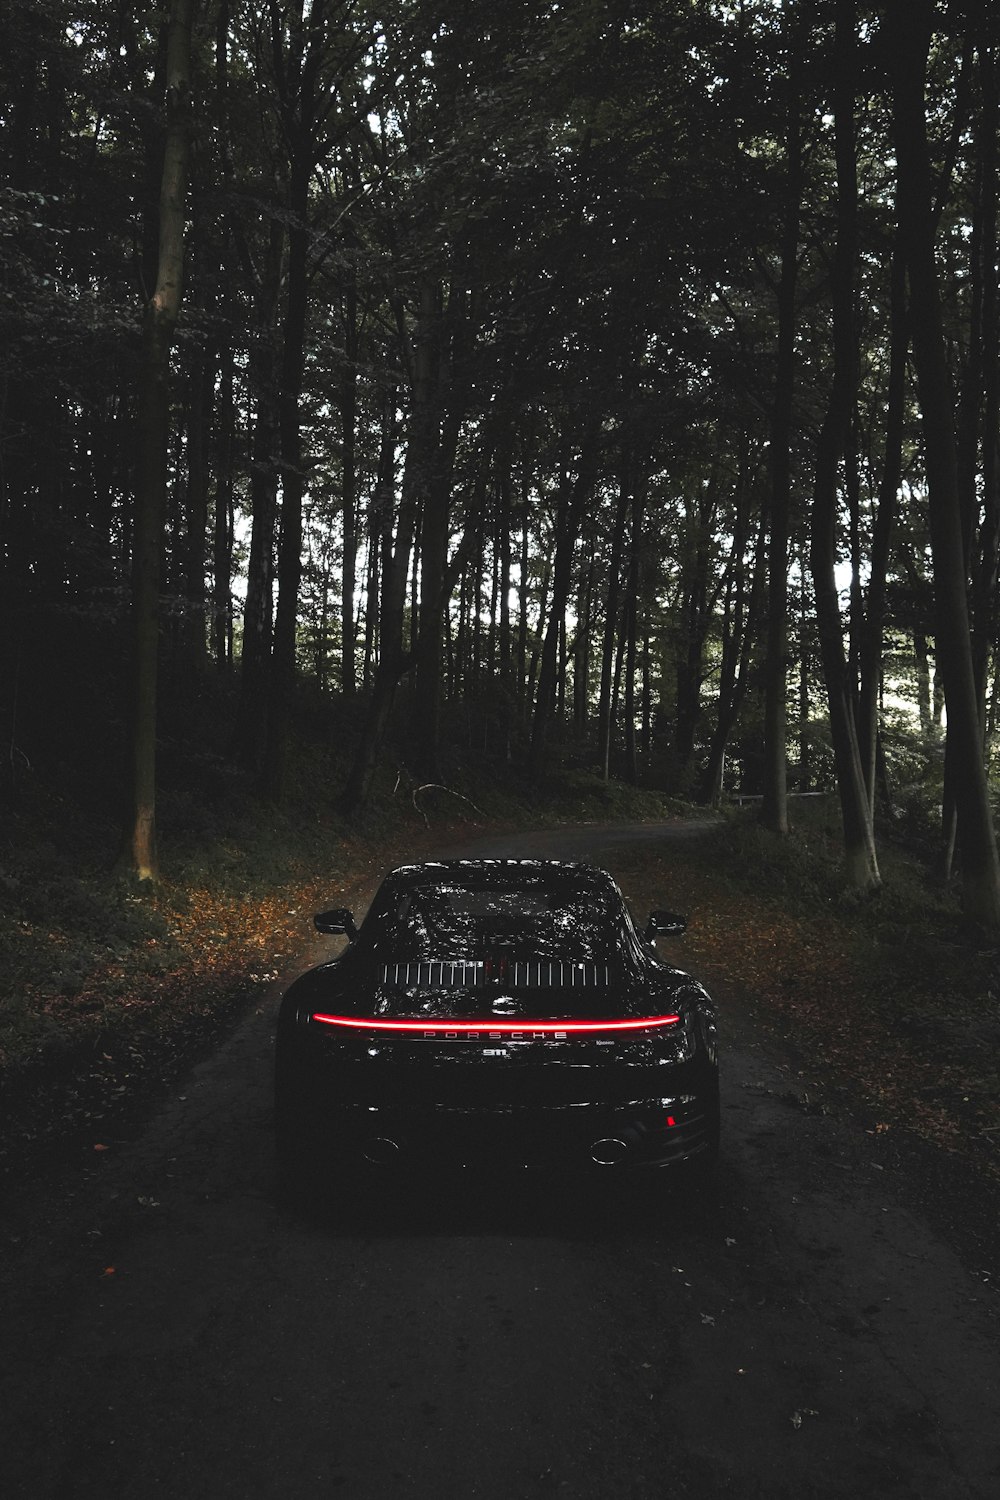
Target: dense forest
{"type": "Point", "coordinates": [619, 375]}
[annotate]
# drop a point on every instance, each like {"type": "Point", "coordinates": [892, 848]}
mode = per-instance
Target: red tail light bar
{"type": "Point", "coordinates": [493, 1028]}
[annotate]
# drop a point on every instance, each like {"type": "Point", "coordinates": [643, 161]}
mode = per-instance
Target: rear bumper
{"type": "Point", "coordinates": [586, 1138]}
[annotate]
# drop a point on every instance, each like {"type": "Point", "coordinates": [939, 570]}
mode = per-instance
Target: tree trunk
{"type": "Point", "coordinates": [222, 531]}
{"type": "Point", "coordinates": [925, 706]}
{"type": "Point", "coordinates": [380, 531]}
{"type": "Point", "coordinates": [437, 578]}
{"type": "Point", "coordinates": [909, 30]}
{"type": "Point", "coordinates": [572, 498]}
{"type": "Point", "coordinates": [523, 686]}
{"type": "Point", "coordinates": [986, 551]}
{"type": "Point", "coordinates": [531, 676]}
{"type": "Point", "coordinates": [646, 741]}
{"type": "Point", "coordinates": [200, 403]}
{"type": "Point", "coordinates": [505, 696]}
{"type": "Point", "coordinates": [299, 54]}
{"type": "Point", "coordinates": [611, 614]}
{"type": "Point", "coordinates": [154, 425]}
{"type": "Point", "coordinates": [695, 615]}
{"type": "Point", "coordinates": [774, 806]}
{"type": "Point", "coordinates": [348, 464]}
{"type": "Point", "coordinates": [805, 713]}
{"type": "Point", "coordinates": [736, 673]}
{"type": "Point", "coordinates": [633, 586]}
{"type": "Point", "coordinates": [393, 659]}
{"type": "Point", "coordinates": [289, 573]}
{"type": "Point", "coordinates": [581, 644]}
{"type": "Point", "coordinates": [859, 839]}
{"type": "Point", "coordinates": [871, 644]}
{"type": "Point", "coordinates": [249, 735]}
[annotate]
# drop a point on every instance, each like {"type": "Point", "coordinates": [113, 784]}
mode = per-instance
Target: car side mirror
{"type": "Point", "coordinates": [664, 924]}
{"type": "Point", "coordinates": [336, 923]}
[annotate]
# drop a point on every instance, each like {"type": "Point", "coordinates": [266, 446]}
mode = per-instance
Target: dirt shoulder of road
{"type": "Point", "coordinates": [904, 1042]}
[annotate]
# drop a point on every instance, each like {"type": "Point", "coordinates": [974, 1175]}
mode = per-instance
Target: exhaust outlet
{"type": "Point", "coordinates": [608, 1151]}
{"type": "Point", "coordinates": [381, 1151]}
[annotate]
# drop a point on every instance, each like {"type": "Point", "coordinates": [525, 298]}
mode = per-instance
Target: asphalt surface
{"type": "Point", "coordinates": [168, 1328]}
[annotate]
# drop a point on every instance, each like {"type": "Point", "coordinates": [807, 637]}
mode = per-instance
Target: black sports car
{"type": "Point", "coordinates": [490, 1012]}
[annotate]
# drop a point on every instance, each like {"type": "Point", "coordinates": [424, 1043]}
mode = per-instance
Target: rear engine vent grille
{"type": "Point", "coordinates": [530, 976]}
{"type": "Point", "coordinates": [526, 974]}
{"type": "Point", "coordinates": [435, 976]}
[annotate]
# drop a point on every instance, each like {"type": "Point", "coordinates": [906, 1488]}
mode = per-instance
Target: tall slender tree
{"type": "Point", "coordinates": [774, 806]}
{"type": "Point", "coordinates": [159, 321]}
{"type": "Point", "coordinates": [907, 39]}
{"type": "Point", "coordinates": [859, 838]}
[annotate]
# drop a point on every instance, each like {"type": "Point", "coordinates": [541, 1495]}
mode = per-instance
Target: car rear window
{"type": "Point", "coordinates": [449, 921]}
{"type": "Point", "coordinates": [486, 915]}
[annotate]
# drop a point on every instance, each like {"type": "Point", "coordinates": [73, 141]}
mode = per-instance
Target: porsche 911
{"type": "Point", "coordinates": [495, 1012]}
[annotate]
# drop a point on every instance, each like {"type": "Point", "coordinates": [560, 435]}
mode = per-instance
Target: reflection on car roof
{"type": "Point", "coordinates": [506, 913]}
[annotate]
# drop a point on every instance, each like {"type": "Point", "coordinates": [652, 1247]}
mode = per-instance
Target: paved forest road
{"type": "Point", "coordinates": [799, 1332]}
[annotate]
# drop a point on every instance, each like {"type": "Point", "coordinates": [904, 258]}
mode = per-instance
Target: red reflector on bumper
{"type": "Point", "coordinates": [492, 1027]}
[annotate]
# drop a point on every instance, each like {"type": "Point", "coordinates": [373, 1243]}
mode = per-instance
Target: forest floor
{"type": "Point", "coordinates": [108, 992]}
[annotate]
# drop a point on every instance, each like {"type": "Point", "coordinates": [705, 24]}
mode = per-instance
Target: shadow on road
{"type": "Point", "coordinates": [519, 1206]}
